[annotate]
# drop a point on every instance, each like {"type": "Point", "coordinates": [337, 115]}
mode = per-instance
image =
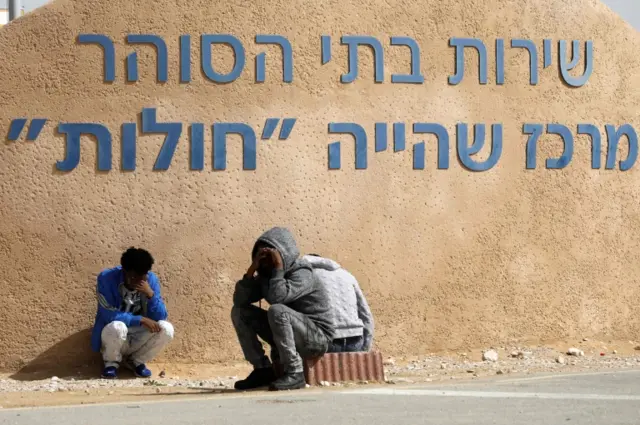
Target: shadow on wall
{"type": "Point", "coordinates": [72, 358]}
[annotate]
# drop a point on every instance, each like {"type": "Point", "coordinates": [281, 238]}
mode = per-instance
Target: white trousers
{"type": "Point", "coordinates": [137, 342]}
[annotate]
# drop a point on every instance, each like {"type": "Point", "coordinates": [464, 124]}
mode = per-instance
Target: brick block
{"type": "Point", "coordinates": [342, 367]}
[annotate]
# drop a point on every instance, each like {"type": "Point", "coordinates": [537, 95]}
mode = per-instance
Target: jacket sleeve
{"type": "Point", "coordinates": [107, 310]}
{"type": "Point", "coordinates": [285, 290]}
{"type": "Point", "coordinates": [247, 291]}
{"type": "Point", "coordinates": [364, 313]}
{"type": "Point", "coordinates": [156, 308]}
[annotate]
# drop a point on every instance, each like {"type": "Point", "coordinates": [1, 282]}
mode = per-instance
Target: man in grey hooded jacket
{"type": "Point", "coordinates": [354, 323]}
{"type": "Point", "coordinates": [298, 322]}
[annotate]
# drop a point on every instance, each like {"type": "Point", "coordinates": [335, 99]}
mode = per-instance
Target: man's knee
{"type": "Point", "coordinates": [115, 330]}
{"type": "Point", "coordinates": [166, 330]}
{"type": "Point", "coordinates": [278, 313]}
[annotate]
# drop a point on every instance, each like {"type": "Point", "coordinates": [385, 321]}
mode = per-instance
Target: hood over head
{"type": "Point", "coordinates": [318, 262]}
{"type": "Point", "coordinates": [283, 240]}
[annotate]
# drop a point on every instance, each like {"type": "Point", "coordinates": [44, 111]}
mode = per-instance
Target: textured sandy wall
{"type": "Point", "coordinates": [448, 258]}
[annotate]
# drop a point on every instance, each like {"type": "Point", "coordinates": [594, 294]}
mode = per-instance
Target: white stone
{"type": "Point", "coordinates": [561, 360]}
{"type": "Point", "coordinates": [575, 352]}
{"type": "Point", "coordinates": [491, 355]}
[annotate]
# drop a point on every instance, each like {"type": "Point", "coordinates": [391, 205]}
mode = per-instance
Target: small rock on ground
{"type": "Point", "coordinates": [575, 352]}
{"type": "Point", "coordinates": [490, 355]}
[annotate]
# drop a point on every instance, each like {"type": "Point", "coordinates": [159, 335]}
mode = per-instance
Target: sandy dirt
{"type": "Point", "coordinates": [81, 386]}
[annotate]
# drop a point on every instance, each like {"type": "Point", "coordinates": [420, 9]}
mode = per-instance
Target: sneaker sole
{"type": "Point", "coordinates": [132, 369]}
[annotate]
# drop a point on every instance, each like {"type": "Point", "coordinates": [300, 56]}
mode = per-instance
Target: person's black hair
{"type": "Point", "coordinates": [136, 260]}
{"type": "Point", "coordinates": [258, 245]}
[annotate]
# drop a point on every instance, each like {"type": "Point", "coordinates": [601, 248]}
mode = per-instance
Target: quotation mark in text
{"type": "Point", "coordinates": [17, 126]}
{"type": "Point", "coordinates": [271, 124]}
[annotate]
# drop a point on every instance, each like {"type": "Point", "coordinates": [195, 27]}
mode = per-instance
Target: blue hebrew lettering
{"type": "Point", "coordinates": [465, 151]}
{"type": "Point", "coordinates": [419, 155]}
{"type": "Point", "coordinates": [533, 56]}
{"type": "Point", "coordinates": [567, 139]}
{"type": "Point", "coordinates": [326, 49]}
{"type": "Point", "coordinates": [596, 143]}
{"type": "Point", "coordinates": [287, 57]}
{"type": "Point", "coordinates": [196, 150]}
{"type": "Point", "coordinates": [207, 40]}
{"type": "Point", "coordinates": [353, 41]}
{"type": "Point", "coordinates": [399, 136]}
{"type": "Point", "coordinates": [173, 132]}
{"type": "Point", "coordinates": [129, 146]}
{"type": "Point", "coordinates": [360, 137]}
{"type": "Point", "coordinates": [460, 44]}
{"type": "Point", "coordinates": [162, 65]}
{"type": "Point", "coordinates": [534, 131]}
{"type": "Point", "coordinates": [565, 68]}
{"type": "Point", "coordinates": [185, 58]}
{"type": "Point", "coordinates": [220, 131]}
{"type": "Point", "coordinates": [443, 143]}
{"type": "Point", "coordinates": [613, 138]}
{"type": "Point", "coordinates": [415, 77]}
{"type": "Point", "coordinates": [73, 132]}
{"type": "Point", "coordinates": [548, 52]}
{"type": "Point", "coordinates": [499, 61]}
{"type": "Point", "coordinates": [381, 136]}
{"type": "Point", "coordinates": [109, 53]}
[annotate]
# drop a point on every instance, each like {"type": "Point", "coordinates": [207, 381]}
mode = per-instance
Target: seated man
{"type": "Point", "coordinates": [298, 321]}
{"type": "Point", "coordinates": [352, 316]}
{"type": "Point", "coordinates": [131, 317]}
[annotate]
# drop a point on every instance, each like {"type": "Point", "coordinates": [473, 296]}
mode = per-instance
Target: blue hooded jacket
{"type": "Point", "coordinates": [109, 300]}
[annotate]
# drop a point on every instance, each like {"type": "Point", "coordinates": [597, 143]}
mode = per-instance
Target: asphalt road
{"type": "Point", "coordinates": [611, 398]}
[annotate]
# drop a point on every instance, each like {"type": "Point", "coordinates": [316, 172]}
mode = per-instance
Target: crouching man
{"type": "Point", "coordinates": [354, 323]}
{"type": "Point", "coordinates": [131, 322]}
{"type": "Point", "coordinates": [298, 322]}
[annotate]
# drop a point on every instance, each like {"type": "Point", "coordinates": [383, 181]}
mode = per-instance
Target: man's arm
{"type": "Point", "coordinates": [156, 308]}
{"type": "Point", "coordinates": [107, 310]}
{"type": "Point", "coordinates": [247, 291]}
{"type": "Point", "coordinates": [284, 291]}
{"type": "Point", "coordinates": [364, 313]}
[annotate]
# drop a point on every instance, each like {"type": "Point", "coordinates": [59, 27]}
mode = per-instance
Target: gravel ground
{"type": "Point", "coordinates": [505, 360]}
{"type": "Point", "coordinates": [87, 385]}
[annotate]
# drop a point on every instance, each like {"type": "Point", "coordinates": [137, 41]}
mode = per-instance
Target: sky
{"type": "Point", "coordinates": [628, 9]}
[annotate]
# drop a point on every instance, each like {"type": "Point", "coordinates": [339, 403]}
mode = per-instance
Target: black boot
{"type": "Point", "coordinates": [258, 378]}
{"type": "Point", "coordinates": [290, 381]}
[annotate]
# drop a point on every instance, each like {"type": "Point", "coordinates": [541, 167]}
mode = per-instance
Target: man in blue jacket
{"type": "Point", "coordinates": [131, 321]}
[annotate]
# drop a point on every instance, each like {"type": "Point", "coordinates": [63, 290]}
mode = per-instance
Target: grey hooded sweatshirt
{"type": "Point", "coordinates": [295, 286]}
{"type": "Point", "coordinates": [352, 315]}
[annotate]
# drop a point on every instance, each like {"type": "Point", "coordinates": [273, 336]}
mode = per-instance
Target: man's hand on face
{"type": "Point", "coordinates": [152, 325]}
{"type": "Point", "coordinates": [256, 263]}
{"type": "Point", "coordinates": [276, 258]}
{"type": "Point", "coordinates": [144, 288]}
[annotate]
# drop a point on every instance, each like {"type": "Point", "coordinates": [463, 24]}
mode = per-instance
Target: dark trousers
{"type": "Point", "coordinates": [346, 345]}
{"type": "Point", "coordinates": [291, 335]}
